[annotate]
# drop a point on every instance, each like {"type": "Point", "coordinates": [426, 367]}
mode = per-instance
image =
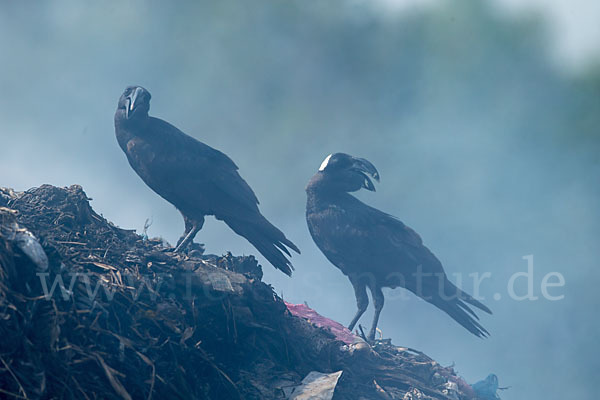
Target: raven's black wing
{"type": "Point", "coordinates": [360, 239]}
{"type": "Point", "coordinates": [201, 180]}
{"type": "Point", "coordinates": [189, 173]}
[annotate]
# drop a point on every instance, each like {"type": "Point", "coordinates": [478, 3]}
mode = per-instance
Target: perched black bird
{"type": "Point", "coordinates": [194, 177]}
{"type": "Point", "coordinates": [374, 249]}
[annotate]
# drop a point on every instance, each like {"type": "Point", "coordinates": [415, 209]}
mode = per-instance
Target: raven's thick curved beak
{"type": "Point", "coordinates": [131, 101]}
{"type": "Point", "coordinates": [367, 170]}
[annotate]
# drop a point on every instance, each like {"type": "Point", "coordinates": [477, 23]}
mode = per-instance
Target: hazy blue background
{"type": "Point", "coordinates": [482, 118]}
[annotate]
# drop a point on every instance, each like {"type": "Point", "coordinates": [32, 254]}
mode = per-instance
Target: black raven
{"type": "Point", "coordinates": [374, 249]}
{"type": "Point", "coordinates": [197, 179]}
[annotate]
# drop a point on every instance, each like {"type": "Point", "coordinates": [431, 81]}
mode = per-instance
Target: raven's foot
{"type": "Point", "coordinates": [371, 337]}
{"type": "Point", "coordinates": [192, 249]}
{"type": "Point", "coordinates": [191, 229]}
{"type": "Point", "coordinates": [187, 240]}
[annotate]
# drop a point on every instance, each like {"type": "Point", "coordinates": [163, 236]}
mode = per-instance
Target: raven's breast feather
{"type": "Point", "coordinates": [140, 151]}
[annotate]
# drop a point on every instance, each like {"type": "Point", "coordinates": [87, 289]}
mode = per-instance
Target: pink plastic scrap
{"type": "Point", "coordinates": [340, 331]}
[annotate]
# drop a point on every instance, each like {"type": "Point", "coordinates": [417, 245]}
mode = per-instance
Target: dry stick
{"type": "Point", "coordinates": [287, 352]}
{"type": "Point", "coordinates": [127, 342]}
{"type": "Point", "coordinates": [226, 316]}
{"type": "Point", "coordinates": [80, 388]}
{"type": "Point", "coordinates": [18, 396]}
{"type": "Point", "coordinates": [15, 378]}
{"type": "Point", "coordinates": [114, 381]}
{"type": "Point", "coordinates": [223, 374]}
{"type": "Point", "coordinates": [106, 252]}
{"type": "Point", "coordinates": [235, 334]}
{"type": "Point", "coordinates": [151, 364]}
{"type": "Point", "coordinates": [381, 391]}
{"type": "Point", "coordinates": [362, 333]}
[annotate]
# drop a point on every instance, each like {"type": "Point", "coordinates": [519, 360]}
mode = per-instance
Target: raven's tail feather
{"type": "Point", "coordinates": [472, 301]}
{"type": "Point", "coordinates": [455, 305]}
{"type": "Point", "coordinates": [268, 240]}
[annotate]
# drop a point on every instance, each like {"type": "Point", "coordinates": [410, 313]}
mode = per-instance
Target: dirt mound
{"type": "Point", "coordinates": [99, 312]}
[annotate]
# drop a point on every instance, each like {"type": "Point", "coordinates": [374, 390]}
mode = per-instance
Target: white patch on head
{"type": "Point", "coordinates": [325, 162]}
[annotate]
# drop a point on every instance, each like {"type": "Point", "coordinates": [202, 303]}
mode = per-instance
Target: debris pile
{"type": "Point", "coordinates": [92, 311]}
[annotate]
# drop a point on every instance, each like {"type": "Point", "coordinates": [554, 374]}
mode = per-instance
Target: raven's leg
{"type": "Point", "coordinates": [189, 224]}
{"type": "Point", "coordinates": [378, 303]}
{"type": "Point", "coordinates": [192, 226]}
{"type": "Point", "coordinates": [188, 228]}
{"type": "Point", "coordinates": [362, 301]}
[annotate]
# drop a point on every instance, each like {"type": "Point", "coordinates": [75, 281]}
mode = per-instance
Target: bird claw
{"type": "Point", "coordinates": [371, 340]}
{"type": "Point", "coordinates": [192, 249]}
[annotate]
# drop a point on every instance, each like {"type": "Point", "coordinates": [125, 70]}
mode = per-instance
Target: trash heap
{"type": "Point", "coordinates": [92, 311]}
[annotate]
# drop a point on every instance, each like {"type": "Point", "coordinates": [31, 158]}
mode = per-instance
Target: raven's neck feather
{"type": "Point", "coordinates": [126, 129]}
{"type": "Point", "coordinates": [318, 198]}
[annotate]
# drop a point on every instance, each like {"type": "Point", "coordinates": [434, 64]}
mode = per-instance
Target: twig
{"type": "Point", "coordinates": [14, 377]}
{"type": "Point", "coordinates": [79, 387]}
{"type": "Point", "coordinates": [362, 333]}
{"type": "Point", "coordinates": [18, 396]}
{"type": "Point", "coordinates": [114, 382]}
{"type": "Point", "coordinates": [151, 364]}
{"type": "Point", "coordinates": [223, 374]}
{"type": "Point", "coordinates": [106, 252]}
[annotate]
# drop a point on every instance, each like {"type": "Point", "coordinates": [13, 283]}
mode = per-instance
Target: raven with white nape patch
{"type": "Point", "coordinates": [374, 249]}
{"type": "Point", "coordinates": [197, 179]}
